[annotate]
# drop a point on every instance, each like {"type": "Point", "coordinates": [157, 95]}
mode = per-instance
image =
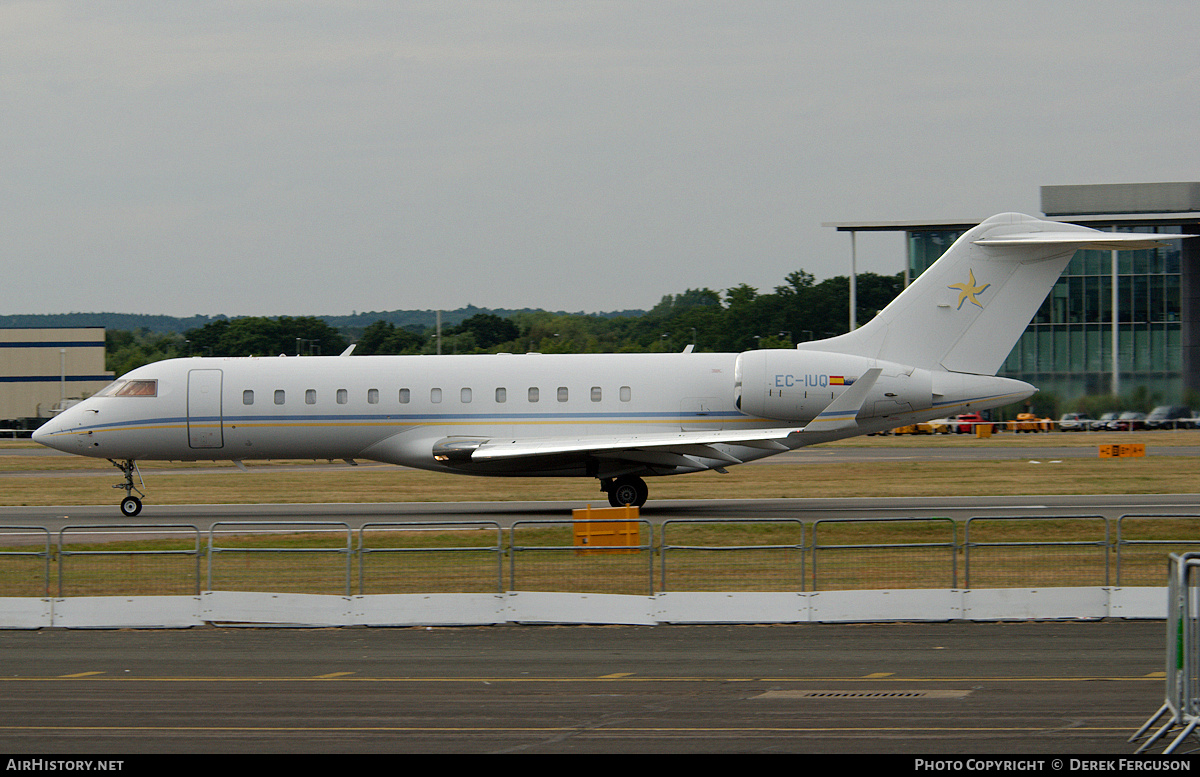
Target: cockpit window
{"type": "Point", "coordinates": [130, 388]}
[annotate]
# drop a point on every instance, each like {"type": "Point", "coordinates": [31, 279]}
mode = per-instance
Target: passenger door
{"type": "Point", "coordinates": [205, 422]}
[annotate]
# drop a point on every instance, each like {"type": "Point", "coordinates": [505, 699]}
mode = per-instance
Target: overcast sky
{"type": "Point", "coordinates": [306, 158]}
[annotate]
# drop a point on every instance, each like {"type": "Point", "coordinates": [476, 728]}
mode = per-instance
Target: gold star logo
{"type": "Point", "coordinates": [967, 291]}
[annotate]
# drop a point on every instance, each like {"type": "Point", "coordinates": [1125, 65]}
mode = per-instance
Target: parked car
{"type": "Point", "coordinates": [1169, 417]}
{"type": "Point", "coordinates": [1128, 421]}
{"type": "Point", "coordinates": [1075, 422]}
{"type": "Point", "coordinates": [1101, 424]}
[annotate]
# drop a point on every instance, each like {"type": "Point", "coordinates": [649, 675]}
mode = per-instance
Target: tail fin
{"type": "Point", "coordinates": [966, 312]}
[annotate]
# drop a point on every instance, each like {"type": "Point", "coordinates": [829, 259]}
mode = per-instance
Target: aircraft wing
{"type": "Point", "coordinates": [680, 443]}
{"type": "Point", "coordinates": [672, 447]}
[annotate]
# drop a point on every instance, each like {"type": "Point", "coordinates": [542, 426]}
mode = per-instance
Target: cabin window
{"type": "Point", "coordinates": [342, 396]}
{"type": "Point", "coordinates": [501, 395]}
{"type": "Point", "coordinates": [562, 393]}
{"type": "Point", "coordinates": [310, 397]}
{"type": "Point", "coordinates": [280, 396]}
{"type": "Point", "coordinates": [372, 396]}
{"type": "Point", "coordinates": [247, 397]}
{"type": "Point", "coordinates": [595, 393]}
{"type": "Point", "coordinates": [464, 395]}
{"type": "Point", "coordinates": [405, 396]}
{"type": "Point", "coordinates": [533, 394]}
{"type": "Point", "coordinates": [435, 395]}
{"type": "Point", "coordinates": [625, 393]}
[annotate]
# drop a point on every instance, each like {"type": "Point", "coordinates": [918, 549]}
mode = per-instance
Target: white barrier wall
{"type": "Point", "coordinates": [225, 608]}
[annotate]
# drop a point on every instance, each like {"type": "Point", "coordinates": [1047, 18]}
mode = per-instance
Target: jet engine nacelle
{"type": "Point", "coordinates": [797, 385]}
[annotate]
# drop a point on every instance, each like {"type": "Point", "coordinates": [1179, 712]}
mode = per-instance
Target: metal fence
{"type": "Point", "coordinates": [25, 561]}
{"type": "Point", "coordinates": [1181, 708]}
{"type": "Point", "coordinates": [1147, 539]}
{"type": "Point", "coordinates": [713, 555]}
{"type": "Point", "coordinates": [128, 560]}
{"type": "Point", "coordinates": [432, 557]}
{"type": "Point", "coordinates": [551, 555]}
{"type": "Point", "coordinates": [292, 557]}
{"type": "Point", "coordinates": [548, 555]}
{"type": "Point", "coordinates": [884, 553]}
{"type": "Point", "coordinates": [1019, 551]}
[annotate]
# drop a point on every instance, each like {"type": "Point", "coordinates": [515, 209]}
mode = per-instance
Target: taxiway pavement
{"type": "Point", "coordinates": [943, 688]}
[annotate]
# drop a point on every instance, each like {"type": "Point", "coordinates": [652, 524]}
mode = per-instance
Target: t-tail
{"type": "Point", "coordinates": [965, 313]}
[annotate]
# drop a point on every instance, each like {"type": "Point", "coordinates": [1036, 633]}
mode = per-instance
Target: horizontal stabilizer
{"type": "Point", "coordinates": [1096, 241]}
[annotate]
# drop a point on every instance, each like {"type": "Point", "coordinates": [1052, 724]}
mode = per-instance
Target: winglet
{"type": "Point", "coordinates": [842, 412]}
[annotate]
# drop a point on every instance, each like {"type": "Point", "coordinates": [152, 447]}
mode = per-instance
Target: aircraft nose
{"type": "Point", "coordinates": [55, 433]}
{"type": "Point", "coordinates": [44, 434]}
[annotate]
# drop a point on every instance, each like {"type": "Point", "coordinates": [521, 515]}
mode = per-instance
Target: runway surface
{"type": "Point", "coordinates": [505, 514]}
{"type": "Point", "coordinates": [950, 688]}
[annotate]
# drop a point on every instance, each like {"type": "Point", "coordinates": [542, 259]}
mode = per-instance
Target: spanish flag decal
{"type": "Point", "coordinates": [837, 380]}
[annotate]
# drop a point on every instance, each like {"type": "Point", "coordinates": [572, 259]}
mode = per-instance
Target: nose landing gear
{"type": "Point", "coordinates": [131, 505]}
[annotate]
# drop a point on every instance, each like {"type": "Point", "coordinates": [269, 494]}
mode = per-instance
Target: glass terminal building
{"type": "Point", "coordinates": [1068, 347]}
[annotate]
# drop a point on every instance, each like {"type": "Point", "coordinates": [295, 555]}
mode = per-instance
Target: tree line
{"type": "Point", "coordinates": [738, 319]}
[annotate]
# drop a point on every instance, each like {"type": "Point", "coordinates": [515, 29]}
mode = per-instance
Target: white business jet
{"type": "Point", "coordinates": [619, 418]}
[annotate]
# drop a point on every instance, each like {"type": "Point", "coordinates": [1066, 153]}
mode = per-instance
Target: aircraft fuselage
{"type": "Point", "coordinates": [397, 409]}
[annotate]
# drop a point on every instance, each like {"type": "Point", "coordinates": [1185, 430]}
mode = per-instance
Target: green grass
{"type": "Point", "coordinates": [303, 482]}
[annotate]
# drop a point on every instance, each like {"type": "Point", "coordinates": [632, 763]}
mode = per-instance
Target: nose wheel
{"type": "Point", "coordinates": [131, 505]}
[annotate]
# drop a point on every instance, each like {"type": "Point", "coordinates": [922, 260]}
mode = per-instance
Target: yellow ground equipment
{"type": "Point", "coordinates": [607, 530]}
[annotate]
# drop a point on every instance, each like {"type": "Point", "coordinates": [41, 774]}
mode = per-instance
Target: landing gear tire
{"type": "Point", "coordinates": [628, 490]}
{"type": "Point", "coordinates": [130, 505]}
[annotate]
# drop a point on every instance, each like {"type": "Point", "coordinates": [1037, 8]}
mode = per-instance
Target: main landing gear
{"type": "Point", "coordinates": [625, 490]}
{"type": "Point", "coordinates": [130, 505]}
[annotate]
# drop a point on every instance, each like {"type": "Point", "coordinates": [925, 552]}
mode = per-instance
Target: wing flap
{"type": "Point", "coordinates": [657, 458]}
